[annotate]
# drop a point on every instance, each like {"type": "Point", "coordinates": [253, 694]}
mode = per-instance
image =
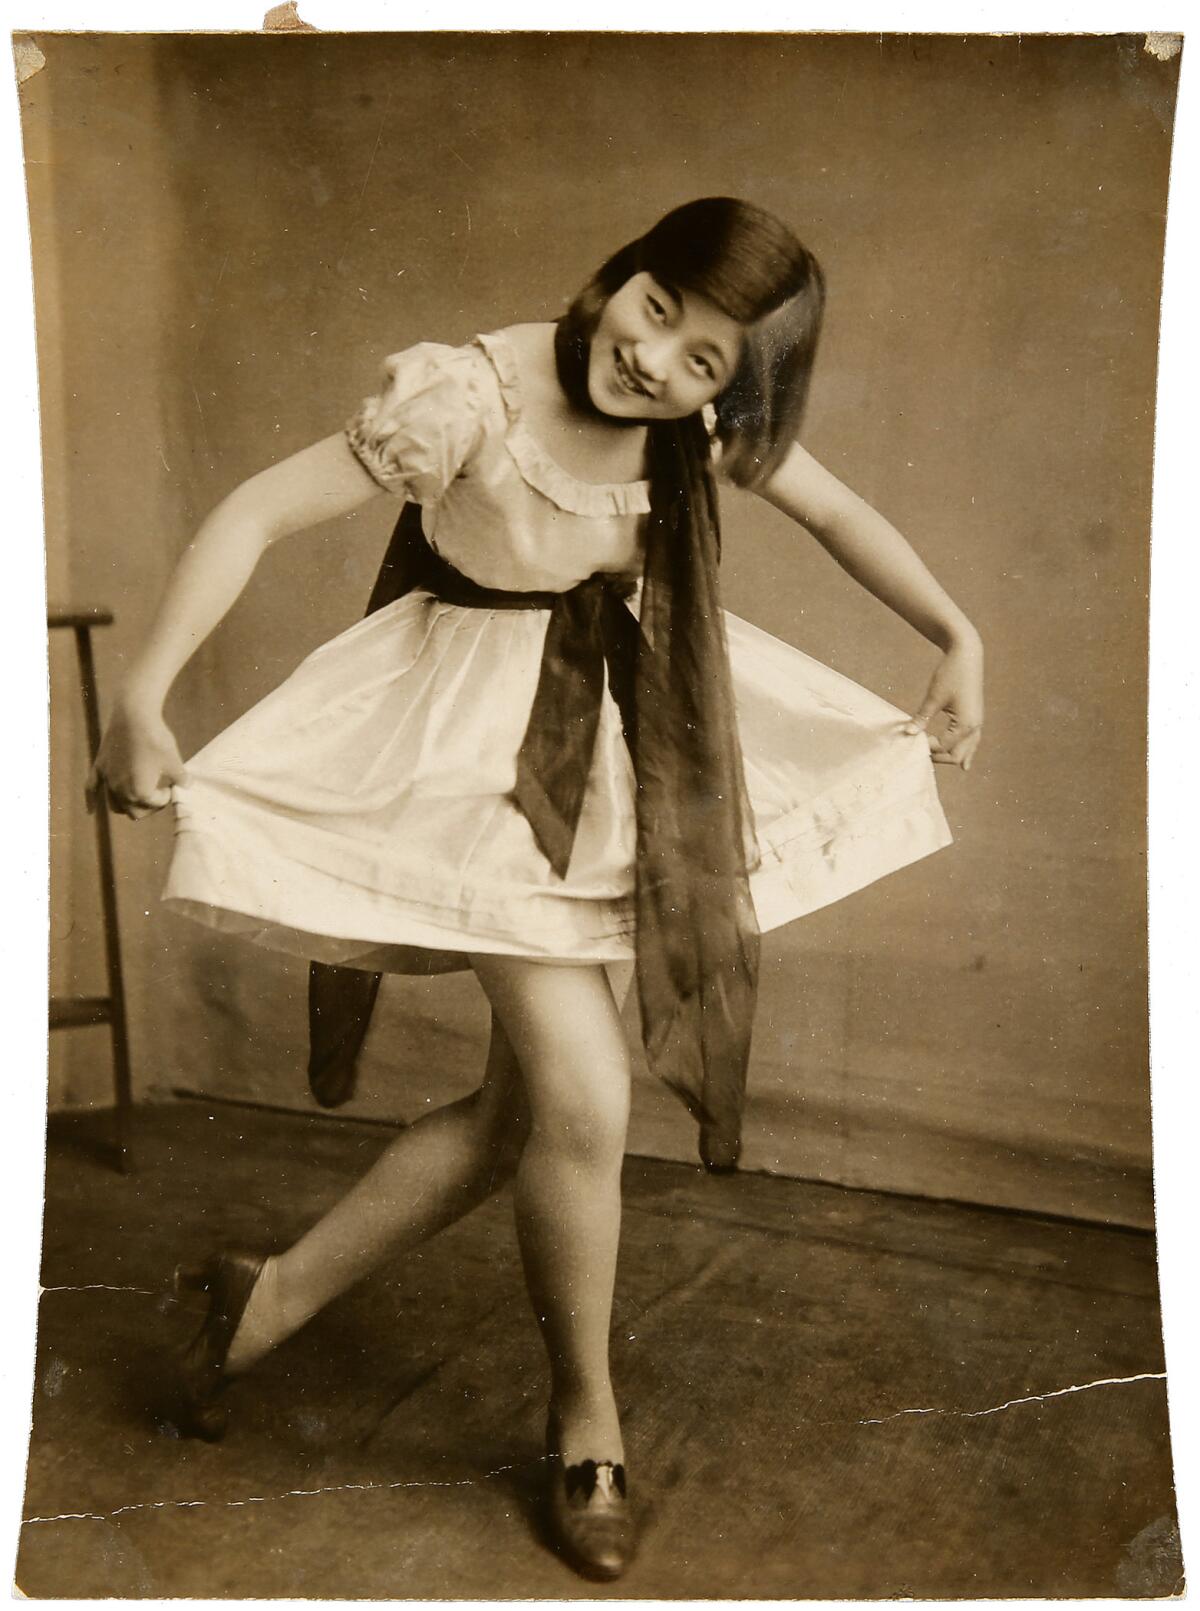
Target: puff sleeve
{"type": "Point", "coordinates": [421, 428]}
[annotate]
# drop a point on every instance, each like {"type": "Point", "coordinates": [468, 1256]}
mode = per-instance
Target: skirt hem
{"type": "Point", "coordinates": [800, 873]}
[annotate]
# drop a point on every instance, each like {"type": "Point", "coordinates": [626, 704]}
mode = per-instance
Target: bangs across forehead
{"type": "Point", "coordinates": [746, 297]}
{"type": "Point", "coordinates": [743, 260]}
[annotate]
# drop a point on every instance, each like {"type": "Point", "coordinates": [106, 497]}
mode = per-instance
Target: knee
{"type": "Point", "coordinates": [588, 1127]}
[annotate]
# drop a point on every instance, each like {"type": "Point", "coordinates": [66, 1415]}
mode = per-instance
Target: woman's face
{"type": "Point", "coordinates": [660, 353]}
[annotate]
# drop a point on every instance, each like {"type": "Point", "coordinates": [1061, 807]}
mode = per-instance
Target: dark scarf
{"type": "Point", "coordinates": [697, 938]}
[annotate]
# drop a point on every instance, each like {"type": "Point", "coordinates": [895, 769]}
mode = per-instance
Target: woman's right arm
{"type": "Point", "coordinates": [138, 758]}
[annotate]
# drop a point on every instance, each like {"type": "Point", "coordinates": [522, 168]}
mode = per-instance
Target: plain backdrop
{"type": "Point", "coordinates": [229, 233]}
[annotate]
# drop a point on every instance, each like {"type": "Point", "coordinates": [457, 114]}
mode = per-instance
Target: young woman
{"type": "Point", "coordinates": [549, 754]}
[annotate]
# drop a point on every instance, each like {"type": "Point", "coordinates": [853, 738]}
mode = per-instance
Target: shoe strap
{"type": "Point", "coordinates": [589, 1475]}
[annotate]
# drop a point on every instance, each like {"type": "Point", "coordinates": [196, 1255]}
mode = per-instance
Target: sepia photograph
{"type": "Point", "coordinates": [597, 616]}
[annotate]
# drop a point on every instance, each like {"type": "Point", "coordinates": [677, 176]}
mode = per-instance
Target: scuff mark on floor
{"type": "Point", "coordinates": [101, 1286]}
{"type": "Point", "coordinates": [1031, 1398]}
{"type": "Point", "coordinates": [269, 1499]}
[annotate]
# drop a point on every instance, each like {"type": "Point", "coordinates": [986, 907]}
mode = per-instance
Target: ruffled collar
{"type": "Point", "coordinates": [537, 468]}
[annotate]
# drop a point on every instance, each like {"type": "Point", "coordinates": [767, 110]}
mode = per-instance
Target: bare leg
{"type": "Point", "coordinates": [564, 1027]}
{"type": "Point", "coordinates": [432, 1174]}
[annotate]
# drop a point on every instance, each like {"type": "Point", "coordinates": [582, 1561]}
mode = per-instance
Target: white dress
{"type": "Point", "coordinates": [363, 814]}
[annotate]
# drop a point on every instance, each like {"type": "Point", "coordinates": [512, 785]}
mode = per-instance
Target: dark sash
{"type": "Point", "coordinates": [696, 939]}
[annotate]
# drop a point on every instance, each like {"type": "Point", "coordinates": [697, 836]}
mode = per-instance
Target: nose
{"type": "Point", "coordinates": [652, 361]}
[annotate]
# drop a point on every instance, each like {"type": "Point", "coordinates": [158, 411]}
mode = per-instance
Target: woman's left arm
{"type": "Point", "coordinates": [872, 551]}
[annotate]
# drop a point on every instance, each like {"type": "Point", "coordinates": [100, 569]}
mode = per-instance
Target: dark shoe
{"type": "Point", "coordinates": [340, 1002]}
{"type": "Point", "coordinates": [200, 1375]}
{"type": "Point", "coordinates": [589, 1514]}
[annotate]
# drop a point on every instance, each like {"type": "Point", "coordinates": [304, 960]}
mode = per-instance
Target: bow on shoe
{"type": "Point", "coordinates": [590, 1474]}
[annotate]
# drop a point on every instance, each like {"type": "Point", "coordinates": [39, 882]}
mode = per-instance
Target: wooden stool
{"type": "Point", "coordinates": [73, 1012]}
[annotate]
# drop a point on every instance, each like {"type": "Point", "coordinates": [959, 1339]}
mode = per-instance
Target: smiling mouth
{"type": "Point", "coordinates": [626, 378]}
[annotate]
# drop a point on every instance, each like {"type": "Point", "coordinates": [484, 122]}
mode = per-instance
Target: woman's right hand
{"type": "Point", "coordinates": [137, 763]}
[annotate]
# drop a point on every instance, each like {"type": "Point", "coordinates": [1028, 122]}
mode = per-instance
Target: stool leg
{"type": "Point", "coordinates": [108, 895]}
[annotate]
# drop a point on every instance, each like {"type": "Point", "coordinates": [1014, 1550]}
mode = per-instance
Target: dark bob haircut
{"type": "Point", "coordinates": [755, 270]}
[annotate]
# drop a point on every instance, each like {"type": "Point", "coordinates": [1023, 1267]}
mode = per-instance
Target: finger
{"type": "Point", "coordinates": [150, 790]}
{"type": "Point", "coordinates": [964, 747]}
{"type": "Point", "coordinates": [127, 805]}
{"type": "Point", "coordinates": [147, 806]}
{"type": "Point", "coordinates": [119, 804]}
{"type": "Point", "coordinates": [934, 742]}
{"type": "Point", "coordinates": [923, 716]}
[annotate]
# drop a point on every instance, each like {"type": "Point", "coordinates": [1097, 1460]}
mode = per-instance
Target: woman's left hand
{"type": "Point", "coordinates": [957, 691]}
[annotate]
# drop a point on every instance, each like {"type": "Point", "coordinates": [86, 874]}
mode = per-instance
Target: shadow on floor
{"type": "Point", "coordinates": [828, 1393]}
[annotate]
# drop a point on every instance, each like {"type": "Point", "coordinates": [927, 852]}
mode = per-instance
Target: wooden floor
{"type": "Point", "coordinates": [827, 1393]}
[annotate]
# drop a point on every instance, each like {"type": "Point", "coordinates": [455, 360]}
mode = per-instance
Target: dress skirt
{"type": "Point", "coordinates": [362, 813]}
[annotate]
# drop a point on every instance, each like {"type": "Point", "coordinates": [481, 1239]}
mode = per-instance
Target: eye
{"type": "Point", "coordinates": [657, 311]}
{"type": "Point", "coordinates": [702, 366]}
